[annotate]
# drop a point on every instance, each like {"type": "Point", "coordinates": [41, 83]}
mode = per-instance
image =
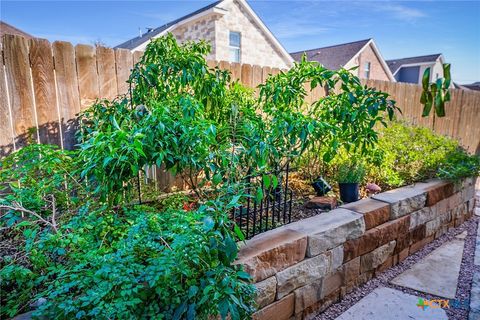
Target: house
{"type": "Point", "coordinates": [233, 29]}
{"type": "Point", "coordinates": [410, 70]}
{"type": "Point", "coordinates": [472, 86]}
{"type": "Point", "coordinates": [6, 28]}
{"type": "Point", "coordinates": [363, 54]}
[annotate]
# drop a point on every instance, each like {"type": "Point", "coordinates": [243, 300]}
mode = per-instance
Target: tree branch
{"type": "Point", "coordinates": [17, 207]}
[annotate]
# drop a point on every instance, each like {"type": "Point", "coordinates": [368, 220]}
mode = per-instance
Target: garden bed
{"type": "Point", "coordinates": [82, 237]}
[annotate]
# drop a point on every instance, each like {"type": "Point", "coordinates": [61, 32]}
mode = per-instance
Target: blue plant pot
{"type": "Point", "coordinates": [348, 192]}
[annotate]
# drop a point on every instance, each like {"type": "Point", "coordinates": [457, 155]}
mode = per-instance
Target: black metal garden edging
{"type": "Point", "coordinates": [274, 210]}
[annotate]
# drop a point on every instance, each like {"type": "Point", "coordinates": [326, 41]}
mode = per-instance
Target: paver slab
{"type": "Point", "coordinates": [475, 298]}
{"type": "Point", "coordinates": [476, 260]}
{"type": "Point", "coordinates": [462, 235]}
{"type": "Point", "coordinates": [385, 303]}
{"type": "Point", "coordinates": [437, 273]}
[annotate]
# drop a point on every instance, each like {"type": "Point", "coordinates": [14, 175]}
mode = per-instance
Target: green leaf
{"type": "Point", "coordinates": [208, 223]}
{"type": "Point", "coordinates": [259, 195]}
{"type": "Point", "coordinates": [115, 124]}
{"type": "Point", "coordinates": [244, 275]}
{"type": "Point", "coordinates": [266, 181]}
{"type": "Point", "coordinates": [447, 96]}
{"type": "Point", "coordinates": [446, 72]}
{"type": "Point", "coordinates": [223, 308]}
{"type": "Point", "coordinates": [274, 182]}
{"type": "Point", "coordinates": [231, 248]}
{"type": "Point", "coordinates": [426, 79]}
{"type": "Point", "coordinates": [427, 106]}
{"type": "Point", "coordinates": [191, 313]}
{"type": "Point", "coordinates": [439, 105]}
{"type": "Point", "coordinates": [217, 178]}
{"type": "Point", "coordinates": [180, 310]}
{"type": "Point", "coordinates": [192, 291]}
{"type": "Point", "coordinates": [423, 97]}
{"type": "Point", "coordinates": [238, 232]}
{"type": "Point", "coordinates": [234, 201]}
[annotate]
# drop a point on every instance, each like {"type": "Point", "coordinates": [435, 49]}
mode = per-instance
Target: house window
{"type": "Point", "coordinates": [234, 46]}
{"type": "Point", "coordinates": [367, 70]}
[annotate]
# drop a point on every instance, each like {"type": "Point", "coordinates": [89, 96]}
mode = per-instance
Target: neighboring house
{"type": "Point", "coordinates": [363, 54]}
{"type": "Point", "coordinates": [410, 70]}
{"type": "Point", "coordinates": [6, 28]}
{"type": "Point", "coordinates": [472, 86]}
{"type": "Point", "coordinates": [233, 29]}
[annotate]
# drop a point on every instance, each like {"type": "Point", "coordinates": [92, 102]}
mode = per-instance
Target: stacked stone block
{"type": "Point", "coordinates": [302, 268]}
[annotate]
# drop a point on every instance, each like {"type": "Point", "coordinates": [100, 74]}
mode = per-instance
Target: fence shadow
{"type": "Point", "coordinates": [48, 133]}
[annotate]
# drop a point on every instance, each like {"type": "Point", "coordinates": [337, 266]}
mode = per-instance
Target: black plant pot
{"type": "Point", "coordinates": [321, 187]}
{"type": "Point", "coordinates": [348, 192]}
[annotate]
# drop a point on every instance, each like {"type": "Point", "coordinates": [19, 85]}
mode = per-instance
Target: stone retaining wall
{"type": "Point", "coordinates": [301, 268]}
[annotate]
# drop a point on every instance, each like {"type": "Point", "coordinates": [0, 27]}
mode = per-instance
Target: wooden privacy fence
{"type": "Point", "coordinates": [462, 112]}
{"type": "Point", "coordinates": [44, 85]}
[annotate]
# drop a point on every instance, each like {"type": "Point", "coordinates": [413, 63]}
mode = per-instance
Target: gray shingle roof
{"type": "Point", "coordinates": [332, 57]}
{"type": "Point", "coordinates": [135, 42]}
{"type": "Point", "coordinates": [396, 64]}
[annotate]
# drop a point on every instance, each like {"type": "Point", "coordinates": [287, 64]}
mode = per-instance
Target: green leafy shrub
{"type": "Point", "coordinates": [404, 154]}
{"type": "Point", "coordinates": [350, 172]}
{"type": "Point", "coordinates": [174, 201]}
{"type": "Point", "coordinates": [137, 263]}
{"type": "Point", "coordinates": [458, 164]}
{"type": "Point", "coordinates": [167, 265]}
{"type": "Point", "coordinates": [39, 176]}
{"type": "Point", "coordinates": [407, 154]}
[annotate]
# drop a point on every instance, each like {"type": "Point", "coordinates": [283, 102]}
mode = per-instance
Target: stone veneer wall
{"type": "Point", "coordinates": [377, 71]}
{"type": "Point", "coordinates": [302, 268]}
{"type": "Point", "coordinates": [199, 29]}
{"type": "Point", "coordinates": [256, 48]}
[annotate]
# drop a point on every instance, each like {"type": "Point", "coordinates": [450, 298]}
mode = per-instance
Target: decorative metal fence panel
{"type": "Point", "coordinates": [274, 210]}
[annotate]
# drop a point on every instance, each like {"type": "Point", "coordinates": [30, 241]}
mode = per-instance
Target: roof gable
{"type": "Point", "coordinates": [137, 42]}
{"type": "Point", "coordinates": [333, 57]}
{"type": "Point", "coordinates": [340, 55]}
{"type": "Point", "coordinates": [396, 64]}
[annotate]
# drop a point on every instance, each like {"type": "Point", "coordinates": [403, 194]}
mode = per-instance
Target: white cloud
{"type": "Point", "coordinates": [400, 12]}
{"type": "Point", "coordinates": [292, 30]}
{"type": "Point", "coordinates": [82, 39]}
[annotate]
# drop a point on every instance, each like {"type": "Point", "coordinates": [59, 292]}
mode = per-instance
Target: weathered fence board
{"type": "Point", "coordinates": [124, 65]}
{"type": "Point", "coordinates": [86, 59]}
{"type": "Point", "coordinates": [106, 72]}
{"type": "Point", "coordinates": [47, 83]}
{"type": "Point", "coordinates": [246, 73]}
{"type": "Point", "coordinates": [6, 131]}
{"type": "Point", "coordinates": [43, 77]}
{"type": "Point", "coordinates": [67, 90]}
{"type": "Point", "coordinates": [19, 81]}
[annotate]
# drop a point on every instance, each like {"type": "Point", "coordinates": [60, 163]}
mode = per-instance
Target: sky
{"type": "Point", "coordinates": [399, 28]}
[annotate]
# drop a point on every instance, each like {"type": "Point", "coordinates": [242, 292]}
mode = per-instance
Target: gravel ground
{"type": "Point", "coordinates": [464, 282]}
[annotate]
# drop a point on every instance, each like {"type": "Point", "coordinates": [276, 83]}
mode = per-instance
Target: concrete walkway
{"type": "Point", "coordinates": [436, 275]}
{"type": "Point", "coordinates": [387, 303]}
